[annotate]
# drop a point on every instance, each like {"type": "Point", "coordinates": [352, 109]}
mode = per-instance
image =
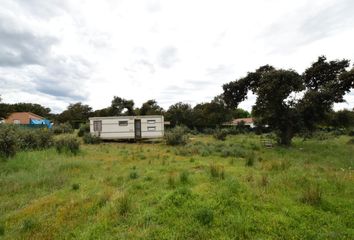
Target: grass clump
{"type": "Point", "coordinates": [133, 175]}
{"type": "Point", "coordinates": [124, 205]}
{"type": "Point", "coordinates": [184, 177]}
{"type": "Point", "coordinates": [217, 171]}
{"type": "Point", "coordinates": [75, 186]}
{"type": "Point", "coordinates": [67, 144]}
{"type": "Point", "coordinates": [176, 136]}
{"type": "Point", "coordinates": [171, 181]}
{"type": "Point", "coordinates": [250, 159]}
{"type": "Point", "coordinates": [312, 195]}
{"type": "Point", "coordinates": [2, 230]}
{"type": "Point", "coordinates": [205, 216]}
{"type": "Point", "coordinates": [88, 138]}
{"type": "Point", "coordinates": [28, 224]}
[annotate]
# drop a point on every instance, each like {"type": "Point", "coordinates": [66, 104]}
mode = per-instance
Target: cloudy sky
{"type": "Point", "coordinates": [56, 52]}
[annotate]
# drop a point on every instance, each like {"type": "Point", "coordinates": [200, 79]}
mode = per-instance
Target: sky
{"type": "Point", "coordinates": [57, 52]}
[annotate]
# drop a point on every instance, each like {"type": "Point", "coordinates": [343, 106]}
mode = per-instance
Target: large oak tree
{"type": "Point", "coordinates": [289, 102]}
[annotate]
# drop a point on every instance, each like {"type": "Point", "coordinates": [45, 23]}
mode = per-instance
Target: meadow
{"type": "Point", "coordinates": [208, 189]}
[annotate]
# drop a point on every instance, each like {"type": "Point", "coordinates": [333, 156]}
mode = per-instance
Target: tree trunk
{"type": "Point", "coordinates": [285, 137]}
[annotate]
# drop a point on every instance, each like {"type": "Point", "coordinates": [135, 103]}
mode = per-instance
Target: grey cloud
{"type": "Point", "coordinates": [20, 47]}
{"type": "Point", "coordinates": [44, 8]}
{"type": "Point", "coordinates": [289, 33]}
{"type": "Point", "coordinates": [168, 57]}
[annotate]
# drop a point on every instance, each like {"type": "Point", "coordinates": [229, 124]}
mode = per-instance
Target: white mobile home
{"type": "Point", "coordinates": [127, 127]}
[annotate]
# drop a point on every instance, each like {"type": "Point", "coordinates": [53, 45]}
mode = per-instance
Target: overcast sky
{"type": "Point", "coordinates": [56, 52]}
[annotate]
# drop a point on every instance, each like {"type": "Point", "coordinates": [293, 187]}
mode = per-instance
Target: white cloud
{"type": "Point", "coordinates": [165, 50]}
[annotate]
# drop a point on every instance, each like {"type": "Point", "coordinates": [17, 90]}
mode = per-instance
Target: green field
{"type": "Point", "coordinates": [209, 189]}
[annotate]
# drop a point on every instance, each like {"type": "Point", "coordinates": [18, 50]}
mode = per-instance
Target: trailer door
{"type": "Point", "coordinates": [137, 128]}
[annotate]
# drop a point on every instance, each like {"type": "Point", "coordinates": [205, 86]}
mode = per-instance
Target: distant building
{"type": "Point", "coordinates": [22, 118]}
{"type": "Point", "coordinates": [247, 121]}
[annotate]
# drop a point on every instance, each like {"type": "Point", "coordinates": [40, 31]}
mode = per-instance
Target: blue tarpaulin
{"type": "Point", "coordinates": [41, 122]}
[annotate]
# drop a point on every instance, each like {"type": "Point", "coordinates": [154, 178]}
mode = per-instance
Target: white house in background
{"type": "Point", "coordinates": [128, 127]}
{"type": "Point", "coordinates": [247, 121]}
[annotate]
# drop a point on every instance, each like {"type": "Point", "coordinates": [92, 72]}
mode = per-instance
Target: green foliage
{"type": "Point", "coordinates": [75, 114]}
{"type": "Point", "coordinates": [176, 136]}
{"type": "Point", "coordinates": [150, 107]}
{"type": "Point", "coordinates": [2, 230]}
{"type": "Point", "coordinates": [133, 175]}
{"type": "Point", "coordinates": [35, 138]}
{"type": "Point", "coordinates": [62, 128]}
{"type": "Point", "coordinates": [184, 177]}
{"type": "Point", "coordinates": [323, 84]}
{"type": "Point", "coordinates": [351, 141]}
{"type": "Point", "coordinates": [8, 141]}
{"type": "Point", "coordinates": [205, 216]}
{"type": "Point", "coordinates": [67, 144]}
{"type": "Point", "coordinates": [220, 134]}
{"type": "Point", "coordinates": [88, 138]}
{"type": "Point", "coordinates": [75, 186]}
{"type": "Point", "coordinates": [84, 128]}
{"type": "Point", "coordinates": [250, 159]}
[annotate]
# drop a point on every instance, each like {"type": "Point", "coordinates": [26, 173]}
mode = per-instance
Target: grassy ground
{"type": "Point", "coordinates": [207, 190]}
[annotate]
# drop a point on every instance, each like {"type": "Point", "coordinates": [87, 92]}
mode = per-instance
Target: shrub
{"type": "Point", "coordinates": [184, 177]}
{"type": "Point", "coordinates": [220, 134]}
{"type": "Point", "coordinates": [124, 205]}
{"type": "Point", "coordinates": [34, 139]}
{"type": "Point", "coordinates": [8, 141]}
{"type": "Point", "coordinates": [176, 136]}
{"type": "Point", "coordinates": [84, 128]}
{"type": "Point", "coordinates": [312, 195]}
{"type": "Point", "coordinates": [62, 128]}
{"type": "Point", "coordinates": [91, 139]}
{"type": "Point", "coordinates": [75, 186]}
{"type": "Point", "coordinates": [67, 144]}
{"type": "Point", "coordinates": [205, 216]}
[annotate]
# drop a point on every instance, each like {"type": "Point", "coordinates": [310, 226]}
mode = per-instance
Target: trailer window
{"type": "Point", "coordinates": [151, 121]}
{"type": "Point", "coordinates": [97, 126]}
{"type": "Point", "coordinates": [123, 123]}
{"type": "Point", "coordinates": [151, 128]}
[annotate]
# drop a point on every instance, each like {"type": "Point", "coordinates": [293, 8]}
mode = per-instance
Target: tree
{"type": "Point", "coordinates": [180, 114]}
{"type": "Point", "coordinates": [75, 114]}
{"type": "Point", "coordinates": [118, 105]}
{"type": "Point", "coordinates": [150, 107]}
{"type": "Point", "coordinates": [277, 90]}
{"type": "Point", "coordinates": [6, 109]}
{"type": "Point", "coordinates": [342, 119]}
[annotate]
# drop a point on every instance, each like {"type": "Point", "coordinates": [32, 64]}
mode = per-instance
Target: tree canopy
{"type": "Point", "coordinates": [289, 102]}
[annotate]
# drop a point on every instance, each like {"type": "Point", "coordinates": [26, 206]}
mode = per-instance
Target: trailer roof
{"type": "Point", "coordinates": [125, 117]}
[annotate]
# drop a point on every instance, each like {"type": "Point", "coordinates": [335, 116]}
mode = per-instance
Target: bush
{"type": "Point", "coordinates": [205, 216]}
{"type": "Point", "coordinates": [84, 128]}
{"type": "Point", "coordinates": [8, 141]}
{"type": "Point", "coordinates": [67, 144]}
{"type": "Point", "coordinates": [91, 139]}
{"type": "Point", "coordinates": [220, 134]}
{"type": "Point", "coordinates": [34, 139]}
{"type": "Point", "coordinates": [176, 136]}
{"type": "Point", "coordinates": [62, 128]}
